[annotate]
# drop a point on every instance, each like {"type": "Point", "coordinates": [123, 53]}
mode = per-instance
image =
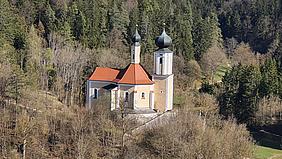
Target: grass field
{"type": "Point", "coordinates": [267, 153]}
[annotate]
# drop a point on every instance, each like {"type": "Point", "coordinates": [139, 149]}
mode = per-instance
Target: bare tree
{"type": "Point", "coordinates": [188, 135]}
{"type": "Point", "coordinates": [211, 60]}
{"type": "Point", "coordinates": [69, 61]}
{"type": "Point", "coordinates": [244, 55]}
{"type": "Point", "coordinates": [269, 110]}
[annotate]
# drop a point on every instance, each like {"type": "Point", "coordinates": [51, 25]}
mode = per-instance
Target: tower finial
{"type": "Point", "coordinates": [136, 37]}
{"type": "Point", "coordinates": [164, 26]}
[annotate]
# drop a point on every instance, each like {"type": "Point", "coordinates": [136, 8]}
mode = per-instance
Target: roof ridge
{"type": "Point", "coordinates": [125, 73]}
{"type": "Point", "coordinates": [133, 74]}
{"type": "Point", "coordinates": [148, 74]}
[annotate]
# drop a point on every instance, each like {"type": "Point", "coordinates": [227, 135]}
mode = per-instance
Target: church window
{"type": "Point", "coordinates": [126, 95]}
{"type": "Point", "coordinates": [95, 96]}
{"type": "Point", "coordinates": [161, 60]}
{"type": "Point", "coordinates": [143, 95]}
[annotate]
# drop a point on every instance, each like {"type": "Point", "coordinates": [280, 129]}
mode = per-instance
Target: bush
{"type": "Point", "coordinates": [188, 135]}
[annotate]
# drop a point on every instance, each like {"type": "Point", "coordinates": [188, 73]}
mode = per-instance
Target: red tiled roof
{"type": "Point", "coordinates": [104, 74]}
{"type": "Point", "coordinates": [135, 74]}
{"type": "Point", "coordinates": [132, 74]}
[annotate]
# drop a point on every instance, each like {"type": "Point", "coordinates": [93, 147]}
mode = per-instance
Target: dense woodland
{"type": "Point", "coordinates": [227, 66]}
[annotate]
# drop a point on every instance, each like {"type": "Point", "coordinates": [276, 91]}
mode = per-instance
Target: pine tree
{"type": "Point", "coordinates": [77, 21]}
{"type": "Point", "coordinates": [270, 78]}
{"type": "Point", "coordinates": [228, 97]}
{"type": "Point", "coordinates": [146, 12]}
{"type": "Point", "coordinates": [240, 93]}
{"type": "Point", "coordinates": [215, 30]}
{"type": "Point", "coordinates": [119, 20]}
{"type": "Point", "coordinates": [34, 60]}
{"type": "Point", "coordinates": [65, 31]}
{"type": "Point", "coordinates": [202, 37]}
{"type": "Point", "coordinates": [247, 95]}
{"type": "Point", "coordinates": [96, 28]}
{"type": "Point", "coordinates": [12, 25]}
{"type": "Point", "coordinates": [50, 19]}
{"type": "Point", "coordinates": [183, 30]}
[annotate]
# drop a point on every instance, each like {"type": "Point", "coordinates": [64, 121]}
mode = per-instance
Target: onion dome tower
{"type": "Point", "coordinates": [136, 47]}
{"type": "Point", "coordinates": [163, 56]}
{"type": "Point", "coordinates": [163, 41]}
{"type": "Point", "coordinates": [163, 77]}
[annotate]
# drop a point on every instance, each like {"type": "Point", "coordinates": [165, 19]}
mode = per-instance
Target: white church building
{"type": "Point", "coordinates": [133, 86]}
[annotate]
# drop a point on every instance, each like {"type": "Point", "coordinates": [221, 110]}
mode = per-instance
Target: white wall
{"type": "Point", "coordinates": [166, 67]}
{"type": "Point", "coordinates": [91, 85]}
{"type": "Point", "coordinates": [169, 93]}
{"type": "Point", "coordinates": [135, 53]}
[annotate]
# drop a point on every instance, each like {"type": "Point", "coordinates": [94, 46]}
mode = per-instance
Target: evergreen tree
{"type": "Point", "coordinates": [270, 78]}
{"type": "Point", "coordinates": [228, 97]}
{"type": "Point", "coordinates": [34, 57]}
{"type": "Point", "coordinates": [96, 31]}
{"type": "Point", "coordinates": [183, 28]}
{"type": "Point", "coordinates": [49, 19]}
{"type": "Point", "coordinates": [202, 38]}
{"type": "Point", "coordinates": [215, 30]}
{"type": "Point", "coordinates": [77, 21]}
{"type": "Point", "coordinates": [147, 9]}
{"type": "Point", "coordinates": [119, 20]}
{"type": "Point", "coordinates": [12, 25]}
{"type": "Point", "coordinates": [247, 95]}
{"type": "Point", "coordinates": [65, 31]}
{"type": "Point", "coordinates": [240, 93]}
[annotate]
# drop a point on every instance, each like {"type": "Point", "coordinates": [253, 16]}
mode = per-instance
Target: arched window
{"type": "Point", "coordinates": [143, 95]}
{"type": "Point", "coordinates": [126, 96]}
{"type": "Point", "coordinates": [95, 96]}
{"type": "Point", "coordinates": [161, 60]}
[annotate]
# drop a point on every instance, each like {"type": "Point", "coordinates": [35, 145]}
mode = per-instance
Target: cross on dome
{"type": "Point", "coordinates": [136, 37]}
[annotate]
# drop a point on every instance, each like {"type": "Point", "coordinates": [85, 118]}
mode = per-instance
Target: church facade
{"type": "Point", "coordinates": [133, 87]}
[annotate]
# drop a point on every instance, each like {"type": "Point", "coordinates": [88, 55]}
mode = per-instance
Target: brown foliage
{"type": "Point", "coordinates": [72, 133]}
{"type": "Point", "coordinates": [214, 57]}
{"type": "Point", "coordinates": [186, 73]}
{"type": "Point", "coordinates": [111, 58]}
{"type": "Point", "coordinates": [244, 55]}
{"type": "Point", "coordinates": [188, 135]}
{"type": "Point", "coordinates": [269, 110]}
{"type": "Point", "coordinates": [69, 61]}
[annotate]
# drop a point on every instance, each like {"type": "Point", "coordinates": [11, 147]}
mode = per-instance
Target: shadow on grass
{"type": "Point", "coordinates": [268, 136]}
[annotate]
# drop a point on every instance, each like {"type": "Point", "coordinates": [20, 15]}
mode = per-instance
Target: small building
{"type": "Point", "coordinates": [133, 86]}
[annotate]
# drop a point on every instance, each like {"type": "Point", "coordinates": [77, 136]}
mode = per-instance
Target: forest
{"type": "Point", "coordinates": [227, 68]}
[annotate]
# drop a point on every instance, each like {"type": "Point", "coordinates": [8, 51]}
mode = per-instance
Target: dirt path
{"type": "Point", "coordinates": [160, 119]}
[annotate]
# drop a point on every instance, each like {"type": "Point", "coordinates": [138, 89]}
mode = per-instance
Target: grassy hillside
{"type": "Point", "coordinates": [267, 153]}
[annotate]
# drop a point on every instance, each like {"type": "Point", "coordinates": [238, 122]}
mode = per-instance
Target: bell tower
{"type": "Point", "coordinates": [163, 77]}
{"type": "Point", "coordinates": [135, 48]}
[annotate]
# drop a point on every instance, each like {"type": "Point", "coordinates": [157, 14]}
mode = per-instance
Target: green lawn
{"type": "Point", "coordinates": [265, 152]}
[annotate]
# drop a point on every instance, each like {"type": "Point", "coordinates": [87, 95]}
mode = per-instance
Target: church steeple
{"type": "Point", "coordinates": [163, 76]}
{"type": "Point", "coordinates": [135, 48]}
{"type": "Point", "coordinates": [163, 57]}
{"type": "Point", "coordinates": [163, 41]}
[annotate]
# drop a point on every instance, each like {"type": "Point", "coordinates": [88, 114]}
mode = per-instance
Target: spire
{"type": "Point", "coordinates": [136, 37]}
{"type": "Point", "coordinates": [163, 41]}
{"type": "Point", "coordinates": [135, 47]}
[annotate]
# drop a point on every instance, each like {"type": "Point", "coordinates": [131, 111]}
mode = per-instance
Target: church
{"type": "Point", "coordinates": [133, 87]}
